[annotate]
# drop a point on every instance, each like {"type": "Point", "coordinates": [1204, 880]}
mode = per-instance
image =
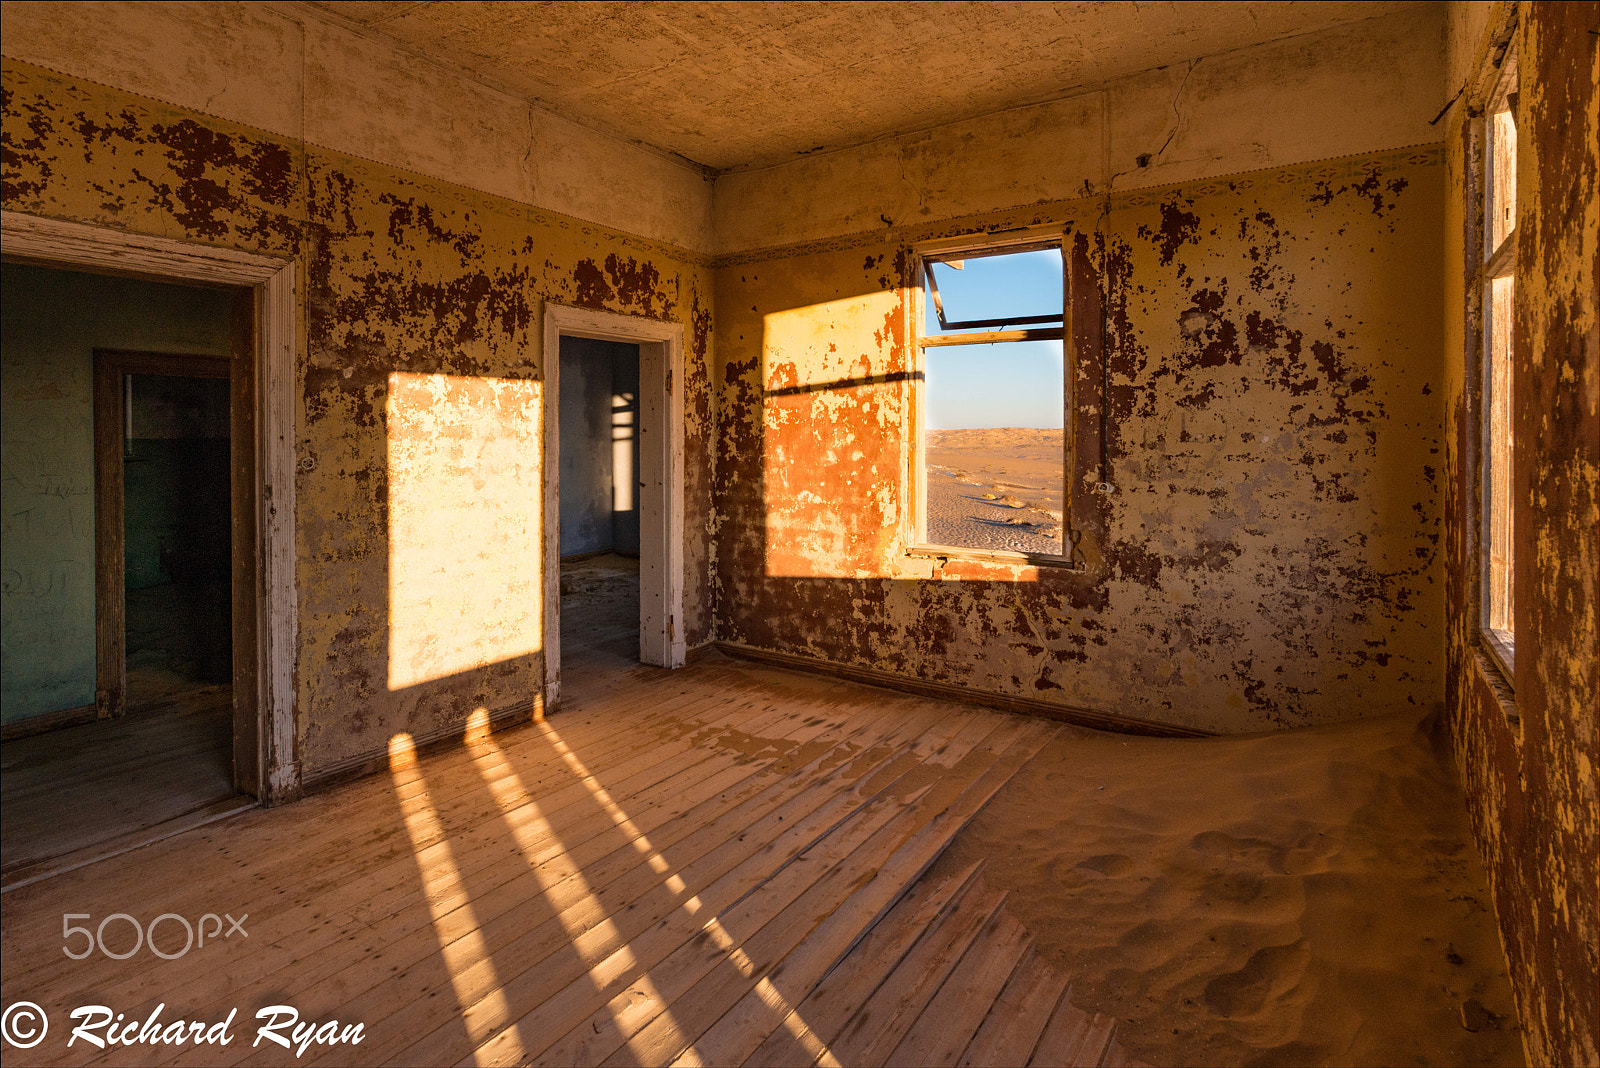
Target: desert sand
{"type": "Point", "coordinates": [996, 488]}
{"type": "Point", "coordinates": [1307, 897]}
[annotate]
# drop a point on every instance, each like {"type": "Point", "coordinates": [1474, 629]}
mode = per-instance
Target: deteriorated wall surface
{"type": "Point", "coordinates": [1528, 752]}
{"type": "Point", "coordinates": [421, 305]}
{"type": "Point", "coordinates": [1269, 556]}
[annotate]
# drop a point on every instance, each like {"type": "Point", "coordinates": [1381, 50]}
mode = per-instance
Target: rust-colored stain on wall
{"type": "Point", "coordinates": [406, 280]}
{"type": "Point", "coordinates": [1269, 554]}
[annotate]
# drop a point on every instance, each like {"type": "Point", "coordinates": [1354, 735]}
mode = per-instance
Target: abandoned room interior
{"type": "Point", "coordinates": [806, 533]}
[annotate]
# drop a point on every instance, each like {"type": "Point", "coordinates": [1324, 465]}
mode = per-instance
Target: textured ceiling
{"type": "Point", "coordinates": [736, 84]}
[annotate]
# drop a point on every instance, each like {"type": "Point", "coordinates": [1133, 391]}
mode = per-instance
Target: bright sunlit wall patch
{"type": "Point", "coordinates": [464, 491]}
{"type": "Point", "coordinates": [835, 394]}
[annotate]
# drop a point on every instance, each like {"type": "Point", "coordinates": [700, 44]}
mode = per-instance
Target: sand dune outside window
{"type": "Point", "coordinates": [993, 400]}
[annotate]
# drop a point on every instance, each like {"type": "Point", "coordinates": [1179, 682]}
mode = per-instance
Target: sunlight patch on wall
{"type": "Point", "coordinates": [464, 493]}
{"type": "Point", "coordinates": [832, 440]}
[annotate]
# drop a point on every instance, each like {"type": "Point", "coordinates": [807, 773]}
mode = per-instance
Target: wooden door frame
{"type": "Point", "coordinates": [271, 331]}
{"type": "Point", "coordinates": [661, 630]}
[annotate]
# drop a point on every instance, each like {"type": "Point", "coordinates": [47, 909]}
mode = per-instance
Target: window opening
{"type": "Point", "coordinates": [995, 400]}
{"type": "Point", "coordinates": [1497, 291]}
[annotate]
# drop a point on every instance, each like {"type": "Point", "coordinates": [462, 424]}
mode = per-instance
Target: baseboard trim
{"type": "Point", "coordinates": [49, 721]}
{"type": "Point", "coordinates": [364, 764]}
{"type": "Point", "coordinates": [1082, 717]}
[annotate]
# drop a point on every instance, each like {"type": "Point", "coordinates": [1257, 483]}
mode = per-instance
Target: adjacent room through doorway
{"type": "Point", "coordinates": [600, 484]}
{"type": "Point", "coordinates": [119, 556]}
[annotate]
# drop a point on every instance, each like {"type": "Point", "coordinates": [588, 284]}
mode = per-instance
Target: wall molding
{"type": "Point", "coordinates": [59, 243]}
{"type": "Point", "coordinates": [508, 206]}
{"type": "Point", "coordinates": [48, 721]}
{"type": "Point", "coordinates": [436, 741]}
{"type": "Point", "coordinates": [1051, 212]}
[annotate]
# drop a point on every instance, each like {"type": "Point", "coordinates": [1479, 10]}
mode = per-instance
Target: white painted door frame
{"type": "Point", "coordinates": [52, 242]}
{"type": "Point", "coordinates": [661, 638]}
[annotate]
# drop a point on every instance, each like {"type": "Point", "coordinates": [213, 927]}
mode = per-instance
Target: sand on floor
{"type": "Point", "coordinates": [996, 488]}
{"type": "Point", "coordinates": [1306, 897]}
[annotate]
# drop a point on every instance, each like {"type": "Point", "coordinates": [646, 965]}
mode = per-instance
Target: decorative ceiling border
{"type": "Point", "coordinates": [1340, 168]}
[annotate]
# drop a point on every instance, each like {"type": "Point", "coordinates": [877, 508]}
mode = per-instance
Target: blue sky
{"type": "Point", "coordinates": [1016, 384]}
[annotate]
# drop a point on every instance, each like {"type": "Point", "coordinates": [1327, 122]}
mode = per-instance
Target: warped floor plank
{"type": "Point", "coordinates": [722, 864]}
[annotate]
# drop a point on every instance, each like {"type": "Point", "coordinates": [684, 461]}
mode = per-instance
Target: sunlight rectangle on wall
{"type": "Point", "coordinates": [464, 493]}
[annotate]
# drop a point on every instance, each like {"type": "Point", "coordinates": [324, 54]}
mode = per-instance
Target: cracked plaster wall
{"type": "Point", "coordinates": [421, 310]}
{"type": "Point", "coordinates": [1531, 781]}
{"type": "Point", "coordinates": [1270, 557]}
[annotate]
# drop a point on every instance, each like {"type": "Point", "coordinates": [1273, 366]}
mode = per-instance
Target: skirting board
{"type": "Point", "coordinates": [359, 767]}
{"type": "Point", "coordinates": [49, 721]}
{"type": "Point", "coordinates": [1100, 721]}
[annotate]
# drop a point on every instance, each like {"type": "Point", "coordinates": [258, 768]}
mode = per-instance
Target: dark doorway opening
{"type": "Point", "coordinates": [600, 491]}
{"type": "Point", "coordinates": [130, 635]}
{"type": "Point", "coordinates": [177, 589]}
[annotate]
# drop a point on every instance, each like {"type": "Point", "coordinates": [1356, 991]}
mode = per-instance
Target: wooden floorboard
{"type": "Point", "coordinates": [723, 864]}
{"type": "Point", "coordinates": [70, 790]}
{"type": "Point", "coordinates": [1013, 1024]}
{"type": "Point", "coordinates": [806, 1029]}
{"type": "Point", "coordinates": [941, 1034]}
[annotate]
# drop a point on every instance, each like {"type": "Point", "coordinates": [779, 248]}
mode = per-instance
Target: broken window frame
{"type": "Point", "coordinates": [1029, 328]}
{"type": "Point", "coordinates": [1494, 189]}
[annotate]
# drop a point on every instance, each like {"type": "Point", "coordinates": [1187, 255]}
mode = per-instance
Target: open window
{"type": "Point", "coordinates": [1497, 293]}
{"type": "Point", "coordinates": [992, 466]}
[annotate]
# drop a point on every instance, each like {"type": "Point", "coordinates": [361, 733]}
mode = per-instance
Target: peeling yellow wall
{"type": "Point", "coordinates": [1269, 557]}
{"type": "Point", "coordinates": [1364, 87]}
{"type": "Point", "coordinates": [1528, 752]}
{"type": "Point", "coordinates": [421, 311]}
{"type": "Point", "coordinates": [286, 70]}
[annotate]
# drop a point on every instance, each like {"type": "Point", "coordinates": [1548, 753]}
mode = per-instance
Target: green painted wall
{"type": "Point", "coordinates": [50, 323]}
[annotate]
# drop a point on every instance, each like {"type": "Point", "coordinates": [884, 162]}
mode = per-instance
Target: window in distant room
{"type": "Point", "coordinates": [993, 474]}
{"type": "Point", "coordinates": [1497, 291]}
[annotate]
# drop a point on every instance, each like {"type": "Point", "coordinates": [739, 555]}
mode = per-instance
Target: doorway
{"type": "Point", "coordinates": [599, 471]}
{"type": "Point", "coordinates": [129, 704]}
{"type": "Point", "coordinates": [613, 484]}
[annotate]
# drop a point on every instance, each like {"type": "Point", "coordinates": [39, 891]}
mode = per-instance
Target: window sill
{"type": "Point", "coordinates": [1501, 653]}
{"type": "Point", "coordinates": [997, 556]}
{"type": "Point", "coordinates": [1492, 665]}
